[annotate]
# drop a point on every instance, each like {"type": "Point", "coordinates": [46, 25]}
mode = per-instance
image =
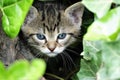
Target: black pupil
{"type": "Point", "coordinates": [62, 36]}
{"type": "Point", "coordinates": [40, 36]}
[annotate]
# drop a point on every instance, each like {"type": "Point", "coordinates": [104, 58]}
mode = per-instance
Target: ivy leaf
{"type": "Point", "coordinates": [102, 61]}
{"type": "Point", "coordinates": [91, 61]}
{"type": "Point", "coordinates": [22, 70]}
{"type": "Point", "coordinates": [110, 69]}
{"type": "Point", "coordinates": [116, 1]}
{"type": "Point", "coordinates": [18, 70]}
{"type": "Point", "coordinates": [46, 0]}
{"type": "Point", "coordinates": [37, 69]}
{"type": "Point", "coordinates": [91, 48]}
{"type": "Point", "coordinates": [107, 28]}
{"type": "Point", "coordinates": [98, 7]}
{"type": "Point", "coordinates": [14, 12]}
{"type": "Point", "coordinates": [1, 2]}
{"type": "Point", "coordinates": [2, 72]}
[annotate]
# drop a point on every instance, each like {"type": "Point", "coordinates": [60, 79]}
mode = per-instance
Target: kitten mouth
{"type": "Point", "coordinates": [52, 54]}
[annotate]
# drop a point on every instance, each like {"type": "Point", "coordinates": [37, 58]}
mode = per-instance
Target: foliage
{"type": "Point", "coordinates": [13, 15]}
{"type": "Point", "coordinates": [22, 70]}
{"type": "Point", "coordinates": [101, 43]}
{"type": "Point", "coordinates": [107, 23]}
{"type": "Point", "coordinates": [101, 53]}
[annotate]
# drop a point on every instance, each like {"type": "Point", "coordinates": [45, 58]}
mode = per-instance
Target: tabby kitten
{"type": "Point", "coordinates": [50, 29]}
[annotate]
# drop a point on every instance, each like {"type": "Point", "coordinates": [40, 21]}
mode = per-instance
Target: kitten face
{"type": "Point", "coordinates": [52, 43]}
{"type": "Point", "coordinates": [51, 30]}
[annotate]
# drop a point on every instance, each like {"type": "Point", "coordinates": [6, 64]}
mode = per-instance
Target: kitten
{"type": "Point", "coordinates": [49, 30]}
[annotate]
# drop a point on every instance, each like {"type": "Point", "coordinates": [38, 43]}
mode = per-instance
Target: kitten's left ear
{"type": "Point", "coordinates": [32, 14]}
{"type": "Point", "coordinates": [74, 13]}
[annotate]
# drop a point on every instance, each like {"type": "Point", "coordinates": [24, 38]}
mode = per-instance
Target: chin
{"type": "Point", "coordinates": [52, 54]}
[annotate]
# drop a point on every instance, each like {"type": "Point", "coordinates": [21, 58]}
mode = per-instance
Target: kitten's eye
{"type": "Point", "coordinates": [62, 36]}
{"type": "Point", "coordinates": [40, 36]}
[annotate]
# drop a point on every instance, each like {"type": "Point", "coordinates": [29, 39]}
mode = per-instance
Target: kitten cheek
{"type": "Point", "coordinates": [45, 50]}
{"type": "Point", "coordinates": [65, 42]}
{"type": "Point", "coordinates": [59, 50]}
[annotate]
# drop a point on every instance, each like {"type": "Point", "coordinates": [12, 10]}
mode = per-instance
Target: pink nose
{"type": "Point", "coordinates": [51, 49]}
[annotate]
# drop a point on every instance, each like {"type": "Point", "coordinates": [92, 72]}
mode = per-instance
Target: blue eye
{"type": "Point", "coordinates": [40, 36]}
{"type": "Point", "coordinates": [62, 36]}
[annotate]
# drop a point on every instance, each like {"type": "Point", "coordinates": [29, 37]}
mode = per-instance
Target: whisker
{"type": "Point", "coordinates": [72, 51]}
{"type": "Point", "coordinates": [68, 64]}
{"type": "Point", "coordinates": [37, 55]}
{"type": "Point", "coordinates": [64, 61]}
{"type": "Point", "coordinates": [70, 59]}
{"type": "Point", "coordinates": [42, 56]}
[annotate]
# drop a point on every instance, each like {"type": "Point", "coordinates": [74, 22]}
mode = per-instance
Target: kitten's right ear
{"type": "Point", "coordinates": [32, 14]}
{"type": "Point", "coordinates": [74, 13]}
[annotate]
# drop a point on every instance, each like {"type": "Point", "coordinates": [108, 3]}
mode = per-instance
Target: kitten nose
{"type": "Point", "coordinates": [51, 49]}
{"type": "Point", "coordinates": [51, 46]}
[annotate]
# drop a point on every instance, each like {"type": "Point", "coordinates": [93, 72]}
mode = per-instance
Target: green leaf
{"type": "Point", "coordinates": [91, 48]}
{"type": "Point", "coordinates": [86, 72]}
{"type": "Point", "coordinates": [37, 69]}
{"type": "Point", "coordinates": [91, 62]}
{"type": "Point", "coordinates": [116, 1]}
{"type": "Point", "coordinates": [98, 7]}
{"type": "Point", "coordinates": [18, 70]}
{"type": "Point", "coordinates": [14, 13]}
{"type": "Point", "coordinates": [110, 69]}
{"type": "Point", "coordinates": [46, 0]}
{"type": "Point", "coordinates": [100, 61]}
{"type": "Point", "coordinates": [2, 71]}
{"type": "Point", "coordinates": [1, 3]}
{"type": "Point", "coordinates": [107, 28]}
{"type": "Point", "coordinates": [22, 70]}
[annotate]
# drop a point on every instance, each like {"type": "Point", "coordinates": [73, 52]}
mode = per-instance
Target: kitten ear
{"type": "Point", "coordinates": [32, 14]}
{"type": "Point", "coordinates": [74, 13]}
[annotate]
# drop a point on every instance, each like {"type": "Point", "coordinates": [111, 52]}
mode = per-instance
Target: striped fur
{"type": "Point", "coordinates": [50, 20]}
